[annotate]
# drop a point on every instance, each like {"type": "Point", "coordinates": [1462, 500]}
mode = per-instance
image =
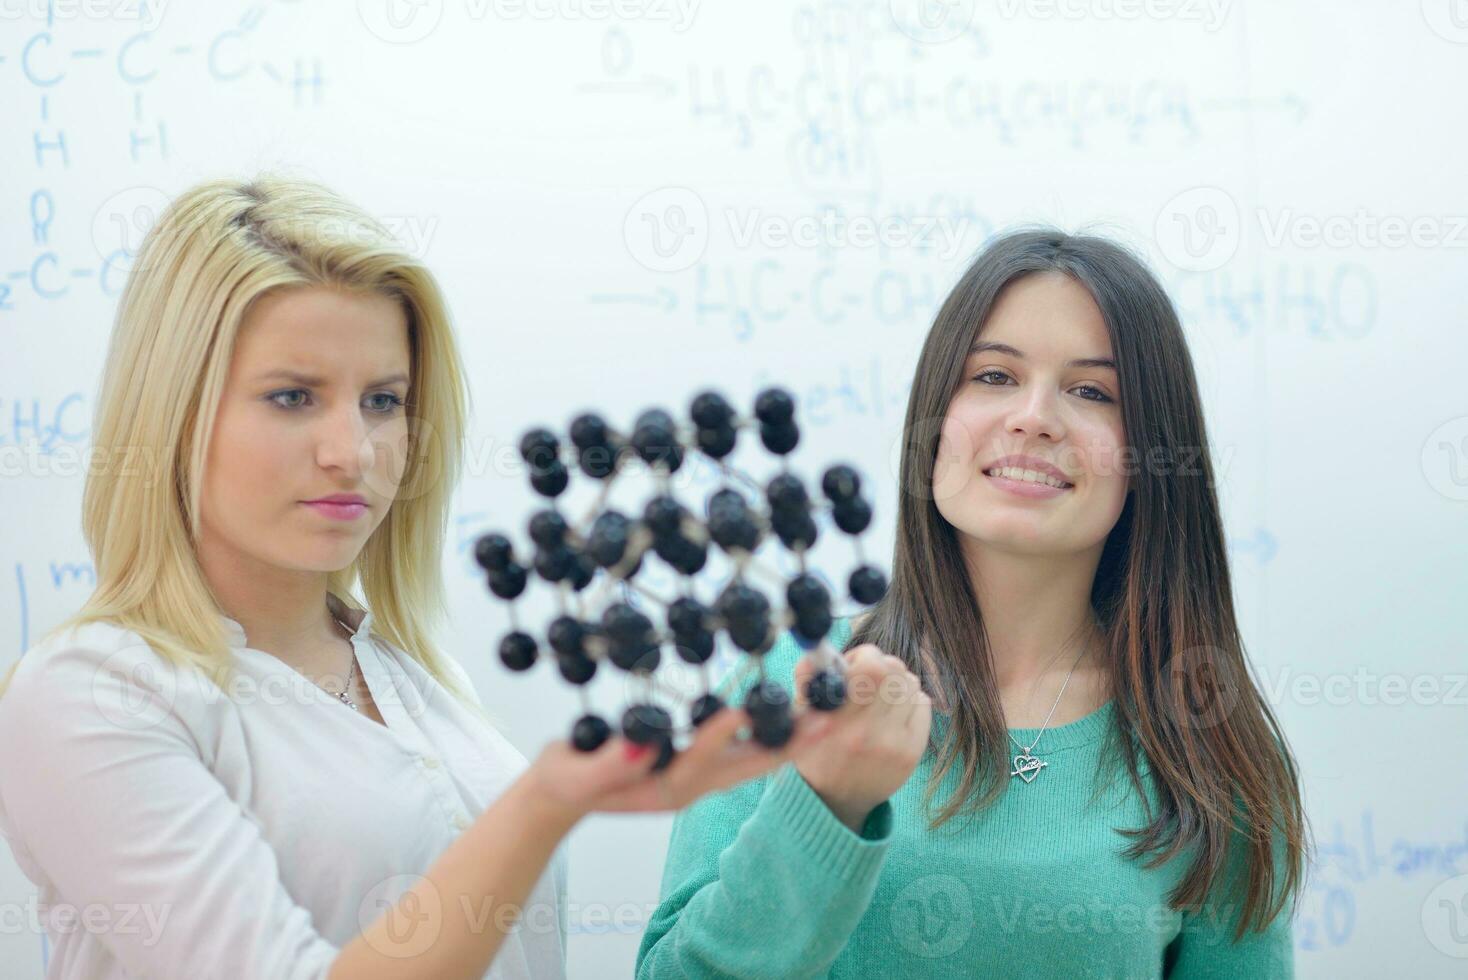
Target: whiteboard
{"type": "Point", "coordinates": [629, 201]}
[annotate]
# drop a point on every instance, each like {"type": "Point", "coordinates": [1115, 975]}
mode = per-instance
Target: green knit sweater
{"type": "Point", "coordinates": [764, 881]}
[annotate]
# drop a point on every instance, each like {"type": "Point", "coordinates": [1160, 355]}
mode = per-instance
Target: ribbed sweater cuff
{"type": "Point", "coordinates": [808, 823]}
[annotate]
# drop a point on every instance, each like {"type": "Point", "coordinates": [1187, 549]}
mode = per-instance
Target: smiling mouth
{"type": "Point", "coordinates": [1028, 476]}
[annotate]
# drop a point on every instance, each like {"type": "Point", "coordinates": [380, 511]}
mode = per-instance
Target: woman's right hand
{"type": "Point", "coordinates": [876, 739]}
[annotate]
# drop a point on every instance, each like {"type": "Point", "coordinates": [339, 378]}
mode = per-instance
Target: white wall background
{"type": "Point", "coordinates": [584, 177]}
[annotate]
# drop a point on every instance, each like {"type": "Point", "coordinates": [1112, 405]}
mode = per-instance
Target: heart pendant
{"type": "Point", "coordinates": [1027, 767]}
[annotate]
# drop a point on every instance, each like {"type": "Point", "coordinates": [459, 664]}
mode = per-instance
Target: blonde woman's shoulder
{"type": "Point", "coordinates": [96, 673]}
{"type": "Point", "coordinates": [85, 644]}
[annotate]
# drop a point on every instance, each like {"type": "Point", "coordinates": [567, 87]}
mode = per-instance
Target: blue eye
{"type": "Point", "coordinates": [394, 402]}
{"type": "Point", "coordinates": [294, 391]}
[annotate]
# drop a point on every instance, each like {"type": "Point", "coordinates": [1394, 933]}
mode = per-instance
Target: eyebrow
{"type": "Point", "coordinates": [1084, 362]}
{"type": "Point", "coordinates": [308, 379]}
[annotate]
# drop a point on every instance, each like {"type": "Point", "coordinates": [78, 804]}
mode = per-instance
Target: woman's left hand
{"type": "Point", "coordinates": [618, 776]}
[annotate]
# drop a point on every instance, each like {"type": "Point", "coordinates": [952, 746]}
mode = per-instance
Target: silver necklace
{"type": "Point", "coordinates": [351, 673]}
{"type": "Point", "coordinates": [1026, 765]}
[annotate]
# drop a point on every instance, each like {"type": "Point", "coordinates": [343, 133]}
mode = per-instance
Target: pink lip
{"type": "Point", "coordinates": [340, 512]}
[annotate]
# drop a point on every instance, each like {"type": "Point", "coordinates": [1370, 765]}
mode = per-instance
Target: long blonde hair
{"type": "Point", "coordinates": [214, 251]}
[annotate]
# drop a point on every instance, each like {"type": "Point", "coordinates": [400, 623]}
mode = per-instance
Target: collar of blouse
{"type": "Point", "coordinates": [359, 620]}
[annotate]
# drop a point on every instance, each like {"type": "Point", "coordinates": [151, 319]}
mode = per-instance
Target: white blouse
{"type": "Point", "coordinates": [174, 831]}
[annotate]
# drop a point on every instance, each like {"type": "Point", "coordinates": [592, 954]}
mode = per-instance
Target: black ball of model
{"type": "Point", "coordinates": [589, 733]}
{"type": "Point", "coordinates": [825, 690]}
{"type": "Point", "coordinates": [736, 519]}
{"type": "Point", "coordinates": [705, 708]}
{"type": "Point", "coordinates": [494, 552]}
{"type": "Point", "coordinates": [768, 705]}
{"type": "Point", "coordinates": [518, 651]}
{"type": "Point", "coordinates": [643, 724]}
{"type": "Point", "coordinates": [648, 724]}
{"type": "Point", "coordinates": [867, 585]}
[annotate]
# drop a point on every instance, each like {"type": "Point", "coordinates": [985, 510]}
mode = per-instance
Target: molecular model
{"type": "Point", "coordinates": [605, 623]}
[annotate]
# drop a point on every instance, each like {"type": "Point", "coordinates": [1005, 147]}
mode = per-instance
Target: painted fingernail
{"type": "Point", "coordinates": [634, 752]}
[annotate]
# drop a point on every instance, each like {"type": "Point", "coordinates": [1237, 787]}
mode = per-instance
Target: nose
{"type": "Point", "coordinates": [1036, 415]}
{"type": "Point", "coordinates": [343, 442]}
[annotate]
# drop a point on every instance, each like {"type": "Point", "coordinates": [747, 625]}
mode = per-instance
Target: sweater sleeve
{"type": "Point", "coordinates": [762, 880]}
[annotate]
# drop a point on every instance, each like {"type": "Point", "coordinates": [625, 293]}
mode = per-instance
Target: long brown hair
{"type": "Point", "coordinates": [1175, 661]}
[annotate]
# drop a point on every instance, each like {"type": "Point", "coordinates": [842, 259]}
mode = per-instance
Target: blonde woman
{"type": "Point", "coordinates": [256, 775]}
